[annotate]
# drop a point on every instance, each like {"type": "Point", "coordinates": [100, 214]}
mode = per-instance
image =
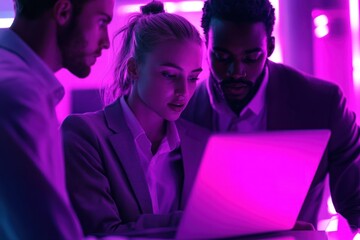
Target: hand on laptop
{"type": "Point", "coordinates": [300, 225]}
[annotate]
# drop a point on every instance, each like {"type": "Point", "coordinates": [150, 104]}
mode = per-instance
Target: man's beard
{"type": "Point", "coordinates": [71, 43]}
{"type": "Point", "coordinates": [235, 104]}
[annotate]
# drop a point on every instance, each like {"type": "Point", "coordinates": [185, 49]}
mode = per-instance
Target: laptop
{"type": "Point", "coordinates": [252, 183]}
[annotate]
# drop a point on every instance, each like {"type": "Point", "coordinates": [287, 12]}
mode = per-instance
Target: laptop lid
{"type": "Point", "coordinates": [252, 183]}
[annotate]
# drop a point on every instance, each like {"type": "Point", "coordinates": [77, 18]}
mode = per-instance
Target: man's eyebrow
{"type": "Point", "coordinates": [254, 50]}
{"type": "Point", "coordinates": [221, 49]}
{"type": "Point", "coordinates": [249, 51]}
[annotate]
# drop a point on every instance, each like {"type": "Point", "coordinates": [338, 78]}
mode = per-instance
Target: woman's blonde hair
{"type": "Point", "coordinates": [143, 32]}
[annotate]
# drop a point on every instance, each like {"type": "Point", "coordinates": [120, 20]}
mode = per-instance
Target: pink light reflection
{"type": "Point", "coordinates": [321, 26]}
{"type": "Point", "coordinates": [322, 31]}
{"type": "Point", "coordinates": [6, 22]}
{"type": "Point", "coordinates": [354, 23]}
{"type": "Point", "coordinates": [277, 54]}
{"type": "Point", "coordinates": [321, 20]}
{"type": "Point", "coordinates": [190, 6]}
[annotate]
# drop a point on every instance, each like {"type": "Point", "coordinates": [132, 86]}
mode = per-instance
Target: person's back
{"type": "Point", "coordinates": [31, 170]}
{"type": "Point", "coordinates": [34, 202]}
{"type": "Point", "coordinates": [246, 92]}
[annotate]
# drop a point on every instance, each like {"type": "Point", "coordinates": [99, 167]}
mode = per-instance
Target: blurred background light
{"type": "Point", "coordinates": [322, 31]}
{"type": "Point", "coordinates": [277, 54]}
{"type": "Point", "coordinates": [321, 20]}
{"type": "Point", "coordinates": [333, 225]}
{"type": "Point", "coordinates": [321, 26]}
{"type": "Point", "coordinates": [6, 22]}
{"type": "Point", "coordinates": [357, 236]}
{"type": "Point", "coordinates": [190, 6]}
{"type": "Point", "coordinates": [354, 24]}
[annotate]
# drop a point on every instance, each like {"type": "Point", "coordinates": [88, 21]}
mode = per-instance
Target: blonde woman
{"type": "Point", "coordinates": [132, 165]}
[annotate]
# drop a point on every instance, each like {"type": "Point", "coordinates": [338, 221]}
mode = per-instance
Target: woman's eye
{"type": "Point", "coordinates": [193, 79]}
{"type": "Point", "coordinates": [102, 22]}
{"type": "Point", "coordinates": [169, 75]}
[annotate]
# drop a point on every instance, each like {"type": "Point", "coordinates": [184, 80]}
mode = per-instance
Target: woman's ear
{"type": "Point", "coordinates": [132, 68]}
{"type": "Point", "coordinates": [63, 11]}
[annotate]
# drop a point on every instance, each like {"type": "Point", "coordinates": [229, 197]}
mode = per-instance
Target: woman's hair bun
{"type": "Point", "coordinates": [154, 7]}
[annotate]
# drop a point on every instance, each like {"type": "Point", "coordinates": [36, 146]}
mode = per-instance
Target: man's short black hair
{"type": "Point", "coordinates": [32, 9]}
{"type": "Point", "coordinates": [239, 11]}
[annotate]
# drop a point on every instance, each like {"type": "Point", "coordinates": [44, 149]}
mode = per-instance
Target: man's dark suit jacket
{"type": "Point", "coordinates": [105, 180]}
{"type": "Point", "coordinates": [297, 101]}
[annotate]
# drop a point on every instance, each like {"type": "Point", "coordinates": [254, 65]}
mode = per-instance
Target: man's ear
{"type": "Point", "coordinates": [270, 46]}
{"type": "Point", "coordinates": [63, 12]}
{"type": "Point", "coordinates": [132, 68]}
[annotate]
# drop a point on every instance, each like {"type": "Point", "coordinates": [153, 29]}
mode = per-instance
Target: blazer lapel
{"type": "Point", "coordinates": [280, 113]}
{"type": "Point", "coordinates": [192, 146]}
{"type": "Point", "coordinates": [124, 146]}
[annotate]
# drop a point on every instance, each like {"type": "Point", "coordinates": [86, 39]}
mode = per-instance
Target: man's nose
{"type": "Point", "coordinates": [236, 70]}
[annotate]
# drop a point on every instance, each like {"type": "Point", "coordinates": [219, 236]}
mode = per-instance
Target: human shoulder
{"type": "Point", "coordinates": [24, 106]}
{"type": "Point", "coordinates": [21, 96]}
{"type": "Point", "coordinates": [298, 81]}
{"type": "Point", "coordinates": [11, 63]}
{"type": "Point", "coordinates": [309, 97]}
{"type": "Point", "coordinates": [85, 122]}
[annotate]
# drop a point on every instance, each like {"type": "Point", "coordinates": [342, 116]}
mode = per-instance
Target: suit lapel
{"type": "Point", "coordinates": [280, 112]}
{"type": "Point", "coordinates": [192, 147]}
{"type": "Point", "coordinates": [124, 146]}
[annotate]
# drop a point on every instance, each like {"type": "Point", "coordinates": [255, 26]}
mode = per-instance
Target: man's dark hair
{"type": "Point", "coordinates": [239, 11]}
{"type": "Point", "coordinates": [32, 9]}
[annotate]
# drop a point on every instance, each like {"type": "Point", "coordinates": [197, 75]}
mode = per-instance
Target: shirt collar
{"type": "Point", "coordinates": [172, 136]}
{"type": "Point", "coordinates": [10, 41]}
{"type": "Point", "coordinates": [255, 106]}
{"type": "Point", "coordinates": [131, 120]}
{"type": "Point", "coordinates": [258, 102]}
